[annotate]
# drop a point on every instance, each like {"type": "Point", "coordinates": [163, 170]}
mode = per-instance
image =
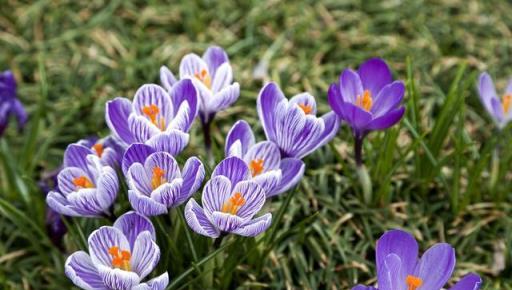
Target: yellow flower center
{"type": "Point", "coordinates": [233, 204]}
{"type": "Point", "coordinates": [152, 112]}
{"type": "Point", "coordinates": [506, 102]}
{"type": "Point", "coordinates": [82, 182]}
{"type": "Point", "coordinates": [256, 166]}
{"type": "Point", "coordinates": [120, 259]}
{"type": "Point", "coordinates": [413, 282]}
{"type": "Point", "coordinates": [365, 101]}
{"type": "Point", "coordinates": [98, 148]}
{"type": "Point", "coordinates": [204, 77]}
{"type": "Point", "coordinates": [158, 177]}
{"type": "Point", "coordinates": [306, 108]}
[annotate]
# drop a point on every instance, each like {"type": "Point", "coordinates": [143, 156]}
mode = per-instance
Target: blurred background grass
{"type": "Point", "coordinates": [431, 174]}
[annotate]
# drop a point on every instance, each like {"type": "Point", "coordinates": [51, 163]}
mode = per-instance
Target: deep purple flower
{"type": "Point", "coordinates": [293, 125]}
{"type": "Point", "coordinates": [119, 258]}
{"type": "Point", "coordinates": [398, 267]}
{"type": "Point", "coordinates": [499, 109]}
{"type": "Point", "coordinates": [155, 116]}
{"type": "Point", "coordinates": [157, 183]}
{"type": "Point", "coordinates": [212, 75]}
{"type": "Point", "coordinates": [230, 201]}
{"type": "Point", "coordinates": [368, 99]}
{"type": "Point", "coordinates": [86, 187]}
{"type": "Point", "coordinates": [107, 149]}
{"type": "Point", "coordinates": [274, 174]}
{"type": "Point", "coordinates": [9, 103]}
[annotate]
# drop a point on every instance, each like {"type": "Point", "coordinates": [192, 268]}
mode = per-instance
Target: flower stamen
{"type": "Point", "coordinates": [233, 204]}
{"type": "Point", "coordinates": [204, 77]}
{"type": "Point", "coordinates": [120, 259]}
{"type": "Point", "coordinates": [158, 177]}
{"type": "Point", "coordinates": [152, 112]}
{"type": "Point", "coordinates": [365, 101]}
{"type": "Point", "coordinates": [506, 102]}
{"type": "Point", "coordinates": [98, 148]}
{"type": "Point", "coordinates": [413, 282]}
{"type": "Point", "coordinates": [306, 108]}
{"type": "Point", "coordinates": [82, 182]}
{"type": "Point", "coordinates": [256, 166]}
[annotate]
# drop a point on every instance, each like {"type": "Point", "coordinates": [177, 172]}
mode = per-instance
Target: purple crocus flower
{"type": "Point", "coordinates": [398, 267]}
{"type": "Point", "coordinates": [499, 109]}
{"type": "Point", "coordinates": [86, 187]}
{"type": "Point", "coordinates": [212, 75]}
{"type": "Point", "coordinates": [107, 149]}
{"type": "Point", "coordinates": [9, 103]}
{"type": "Point", "coordinates": [119, 257]}
{"type": "Point", "coordinates": [157, 183]}
{"type": "Point", "coordinates": [155, 117]}
{"type": "Point", "coordinates": [293, 125]}
{"type": "Point", "coordinates": [230, 201]}
{"type": "Point", "coordinates": [274, 174]}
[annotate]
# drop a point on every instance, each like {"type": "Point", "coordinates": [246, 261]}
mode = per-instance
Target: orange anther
{"type": "Point", "coordinates": [365, 101]}
{"type": "Point", "coordinates": [256, 166]}
{"type": "Point", "coordinates": [233, 204]}
{"type": "Point", "coordinates": [98, 148]}
{"type": "Point", "coordinates": [120, 259]}
{"type": "Point", "coordinates": [306, 108]}
{"type": "Point", "coordinates": [506, 102]}
{"type": "Point", "coordinates": [152, 112]}
{"type": "Point", "coordinates": [158, 177]}
{"type": "Point", "coordinates": [82, 182]}
{"type": "Point", "coordinates": [204, 77]}
{"type": "Point", "coordinates": [413, 282]}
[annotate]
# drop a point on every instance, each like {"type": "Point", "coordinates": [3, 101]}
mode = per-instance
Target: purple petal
{"type": "Point", "coordinates": [216, 191]}
{"type": "Point", "coordinates": [117, 112]}
{"type": "Point", "coordinates": [487, 91]}
{"type": "Point", "coordinates": [470, 282]}
{"type": "Point", "coordinates": [436, 266]}
{"type": "Point", "coordinates": [269, 98]}
{"type": "Point", "coordinates": [19, 113]}
{"type": "Point", "coordinates": [167, 78]}
{"type": "Point", "coordinates": [386, 120]}
{"type": "Point", "coordinates": [497, 110]}
{"type": "Point", "coordinates": [224, 98]}
{"type": "Point", "coordinates": [223, 77]}
{"type": "Point", "coordinates": [164, 161]}
{"type": "Point", "coordinates": [292, 170]}
{"type": "Point", "coordinates": [184, 97]}
{"type": "Point", "coordinates": [254, 197]}
{"type": "Point", "coordinates": [362, 287]}
{"type": "Point", "coordinates": [108, 185]}
{"type": "Point", "coordinates": [136, 153]}
{"type": "Point", "coordinates": [266, 151]}
{"type": "Point", "coordinates": [255, 227]}
{"type": "Point", "coordinates": [226, 222]}
{"type": "Point", "coordinates": [82, 272]}
{"type": "Point", "coordinates": [89, 202]}
{"type": "Point", "coordinates": [168, 193]}
{"type": "Point", "coordinates": [190, 65]}
{"type": "Point", "coordinates": [233, 168]}
{"type": "Point", "coordinates": [401, 244]}
{"type": "Point", "coordinates": [141, 128]}
{"type": "Point", "coordinates": [335, 99]}
{"type": "Point", "coordinates": [242, 132]}
{"type": "Point", "coordinates": [173, 142]}
{"type": "Point", "coordinates": [392, 274]}
{"type": "Point", "coordinates": [145, 205]}
{"type": "Point", "coordinates": [193, 175]}
{"type": "Point", "coordinates": [157, 283]}
{"type": "Point", "coordinates": [152, 94]}
{"type": "Point", "coordinates": [388, 99]}
{"type": "Point", "coordinates": [66, 177]}
{"type": "Point", "coordinates": [268, 181]}
{"type": "Point", "coordinates": [374, 74]}
{"type": "Point", "coordinates": [118, 279]}
{"type": "Point", "coordinates": [304, 99]}
{"type": "Point", "coordinates": [356, 117]}
{"type": "Point", "coordinates": [76, 156]}
{"type": "Point", "coordinates": [350, 86]}
{"type": "Point", "coordinates": [57, 202]}
{"type": "Point", "coordinates": [131, 224]}
{"type": "Point", "coordinates": [331, 127]}
{"type": "Point", "coordinates": [198, 221]}
{"type": "Point", "coordinates": [101, 240]}
{"type": "Point", "coordinates": [145, 254]}
{"type": "Point", "coordinates": [214, 57]}
{"type": "Point", "coordinates": [138, 179]}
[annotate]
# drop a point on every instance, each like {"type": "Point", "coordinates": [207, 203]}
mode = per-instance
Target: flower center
{"type": "Point", "coordinates": [233, 204]}
{"type": "Point", "coordinates": [306, 108]}
{"type": "Point", "coordinates": [120, 259]}
{"type": "Point", "coordinates": [413, 282]}
{"type": "Point", "coordinates": [365, 101]}
{"type": "Point", "coordinates": [82, 182]}
{"type": "Point", "coordinates": [152, 112]}
{"type": "Point", "coordinates": [506, 102]}
{"type": "Point", "coordinates": [158, 177]}
{"type": "Point", "coordinates": [256, 166]}
{"type": "Point", "coordinates": [98, 148]}
{"type": "Point", "coordinates": [204, 77]}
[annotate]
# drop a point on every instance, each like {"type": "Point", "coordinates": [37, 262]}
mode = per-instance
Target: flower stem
{"type": "Point", "coordinates": [358, 150]}
{"type": "Point", "coordinates": [362, 172]}
{"type": "Point", "coordinates": [208, 140]}
{"type": "Point", "coordinates": [218, 241]}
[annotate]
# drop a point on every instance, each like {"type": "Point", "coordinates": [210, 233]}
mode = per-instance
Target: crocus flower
{"type": "Point", "coordinates": [264, 160]}
{"type": "Point", "coordinates": [155, 116]}
{"type": "Point", "coordinates": [293, 125]}
{"type": "Point", "coordinates": [86, 188]}
{"type": "Point", "coordinates": [499, 109]}
{"type": "Point", "coordinates": [119, 257]}
{"type": "Point", "coordinates": [107, 149]}
{"type": "Point", "coordinates": [398, 267]}
{"type": "Point", "coordinates": [368, 99]}
{"type": "Point", "coordinates": [9, 103]}
{"type": "Point", "coordinates": [157, 183]}
{"type": "Point", "coordinates": [212, 75]}
{"type": "Point", "coordinates": [230, 201]}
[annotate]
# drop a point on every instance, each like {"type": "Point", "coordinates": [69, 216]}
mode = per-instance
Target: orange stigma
{"type": "Point", "coordinates": [506, 102]}
{"type": "Point", "coordinates": [204, 77]}
{"type": "Point", "coordinates": [120, 259]}
{"type": "Point", "coordinates": [82, 182]}
{"type": "Point", "coordinates": [256, 166]}
{"type": "Point", "coordinates": [233, 204]}
{"type": "Point", "coordinates": [306, 108]}
{"type": "Point", "coordinates": [413, 282]}
{"type": "Point", "coordinates": [98, 148]}
{"type": "Point", "coordinates": [158, 177]}
{"type": "Point", "coordinates": [365, 101]}
{"type": "Point", "coordinates": [152, 112]}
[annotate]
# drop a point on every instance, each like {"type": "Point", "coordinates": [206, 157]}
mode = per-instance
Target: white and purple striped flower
{"type": "Point", "coordinates": [155, 116]}
{"type": "Point", "coordinates": [212, 75]}
{"type": "Point", "coordinates": [157, 183]}
{"type": "Point", "coordinates": [266, 167]}
{"type": "Point", "coordinates": [230, 201]}
{"type": "Point", "coordinates": [293, 125]}
{"type": "Point", "coordinates": [119, 257]}
{"type": "Point", "coordinates": [107, 149]}
{"type": "Point", "coordinates": [500, 109]}
{"type": "Point", "coordinates": [86, 187]}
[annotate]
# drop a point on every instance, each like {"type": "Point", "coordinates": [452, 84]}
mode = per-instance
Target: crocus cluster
{"type": "Point", "coordinates": [500, 109]}
{"type": "Point", "coordinates": [10, 105]}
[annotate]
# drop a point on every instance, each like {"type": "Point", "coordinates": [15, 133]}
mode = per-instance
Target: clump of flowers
{"type": "Point", "coordinates": [500, 109]}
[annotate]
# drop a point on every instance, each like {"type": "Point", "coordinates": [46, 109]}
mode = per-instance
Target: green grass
{"type": "Point", "coordinates": [431, 174]}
